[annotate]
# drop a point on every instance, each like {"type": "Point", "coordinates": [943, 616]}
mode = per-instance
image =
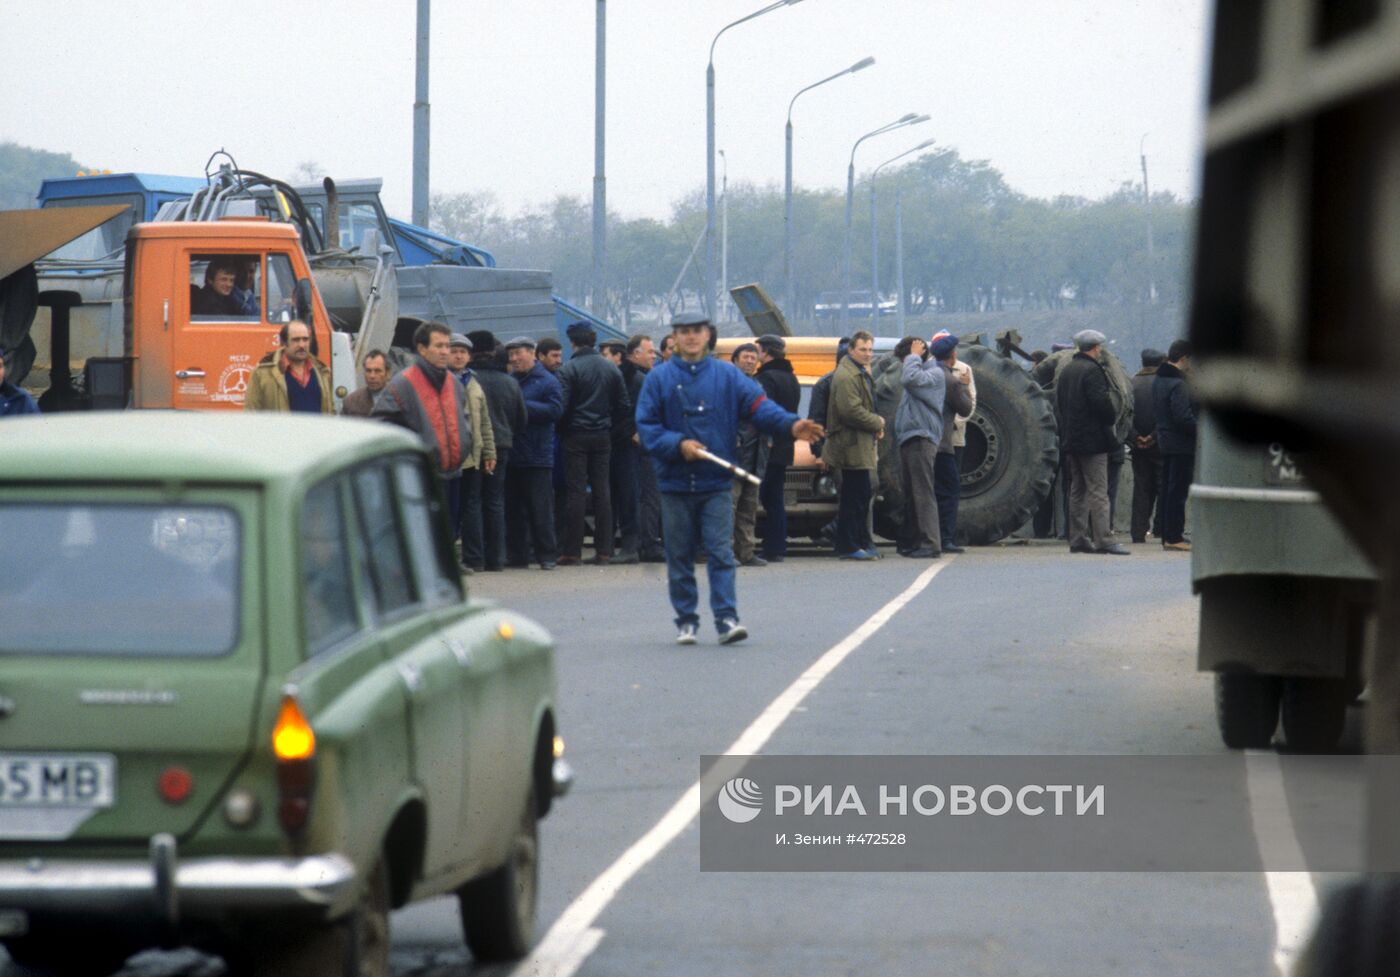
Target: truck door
{"type": "Point", "coordinates": [225, 322]}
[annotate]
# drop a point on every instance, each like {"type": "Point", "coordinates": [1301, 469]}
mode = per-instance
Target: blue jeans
{"type": "Point", "coordinates": [690, 520]}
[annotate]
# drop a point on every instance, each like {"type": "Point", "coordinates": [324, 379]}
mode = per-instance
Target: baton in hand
{"type": "Point", "coordinates": [733, 469]}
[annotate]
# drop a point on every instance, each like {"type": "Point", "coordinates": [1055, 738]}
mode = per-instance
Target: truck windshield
{"type": "Point", "coordinates": [118, 580]}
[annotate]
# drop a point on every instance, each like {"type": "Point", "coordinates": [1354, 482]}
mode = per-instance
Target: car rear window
{"type": "Point", "coordinates": [119, 580]}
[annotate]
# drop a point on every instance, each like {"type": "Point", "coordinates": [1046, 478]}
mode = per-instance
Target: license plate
{"type": "Point", "coordinates": [68, 780]}
{"type": "Point", "coordinates": [1281, 469]}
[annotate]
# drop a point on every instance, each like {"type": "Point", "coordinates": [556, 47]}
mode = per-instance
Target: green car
{"type": "Point", "coordinates": [245, 703]}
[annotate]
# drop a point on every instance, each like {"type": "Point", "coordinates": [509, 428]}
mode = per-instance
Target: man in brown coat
{"type": "Point", "coordinates": [362, 401]}
{"type": "Point", "coordinates": [852, 428]}
{"type": "Point", "coordinates": [291, 379]}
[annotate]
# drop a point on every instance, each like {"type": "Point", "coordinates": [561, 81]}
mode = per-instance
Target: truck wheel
{"type": "Point", "coordinates": [1314, 713]}
{"type": "Point", "coordinates": [1246, 709]}
{"type": "Point", "coordinates": [498, 909]}
{"type": "Point", "coordinates": [1012, 452]}
{"type": "Point", "coordinates": [69, 954]}
{"type": "Point", "coordinates": [1356, 934]}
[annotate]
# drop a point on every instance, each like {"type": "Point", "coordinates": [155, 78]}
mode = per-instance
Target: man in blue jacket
{"type": "Point", "coordinates": [530, 467]}
{"type": "Point", "coordinates": [693, 403]}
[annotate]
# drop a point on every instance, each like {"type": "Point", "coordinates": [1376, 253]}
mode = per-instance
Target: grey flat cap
{"type": "Point", "coordinates": [1088, 339]}
{"type": "Point", "coordinates": [772, 343]}
{"type": "Point", "coordinates": [690, 319]}
{"type": "Point", "coordinates": [521, 342]}
{"type": "Point", "coordinates": [459, 340]}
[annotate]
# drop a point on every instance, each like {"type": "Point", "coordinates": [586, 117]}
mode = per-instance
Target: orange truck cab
{"type": "Point", "coordinates": [189, 345]}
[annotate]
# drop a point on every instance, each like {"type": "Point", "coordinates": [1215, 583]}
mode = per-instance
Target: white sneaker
{"type": "Point", "coordinates": [687, 634]}
{"type": "Point", "coordinates": [730, 631]}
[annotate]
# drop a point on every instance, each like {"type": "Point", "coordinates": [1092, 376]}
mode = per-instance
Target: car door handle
{"type": "Point", "coordinates": [412, 677]}
{"type": "Point", "coordinates": [189, 374]}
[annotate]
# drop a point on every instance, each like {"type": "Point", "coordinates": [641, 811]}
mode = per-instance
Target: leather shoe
{"type": "Point", "coordinates": [775, 558]}
{"type": "Point", "coordinates": [1082, 549]}
{"type": "Point", "coordinates": [568, 561]}
{"type": "Point", "coordinates": [922, 553]}
{"type": "Point", "coordinates": [547, 565]}
{"type": "Point", "coordinates": [657, 557]}
{"type": "Point", "coordinates": [954, 549]}
{"type": "Point", "coordinates": [754, 561]}
{"type": "Point", "coordinates": [1117, 549]}
{"type": "Point", "coordinates": [1182, 547]}
{"type": "Point", "coordinates": [624, 559]}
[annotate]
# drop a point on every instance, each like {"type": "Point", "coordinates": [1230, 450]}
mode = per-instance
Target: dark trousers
{"type": "Point", "coordinates": [1176, 483]}
{"type": "Point", "coordinates": [919, 528]}
{"type": "Point", "coordinates": [587, 457]}
{"type": "Point", "coordinates": [649, 508]}
{"type": "Point", "coordinates": [770, 496]}
{"type": "Point", "coordinates": [493, 512]}
{"type": "Point", "coordinates": [1147, 478]}
{"type": "Point", "coordinates": [626, 494]}
{"type": "Point", "coordinates": [452, 489]}
{"type": "Point", "coordinates": [1115, 469]}
{"type": "Point", "coordinates": [530, 515]}
{"type": "Point", "coordinates": [947, 487]}
{"type": "Point", "coordinates": [469, 527]}
{"type": "Point", "coordinates": [853, 508]}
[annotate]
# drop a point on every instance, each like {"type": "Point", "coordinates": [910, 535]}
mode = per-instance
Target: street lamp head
{"type": "Point", "coordinates": [918, 119]}
{"type": "Point", "coordinates": [860, 65]}
{"type": "Point", "coordinates": [923, 145]}
{"type": "Point", "coordinates": [907, 119]}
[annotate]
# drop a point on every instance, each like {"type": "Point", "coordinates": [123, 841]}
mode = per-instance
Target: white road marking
{"type": "Point", "coordinates": [1291, 894]}
{"type": "Point", "coordinates": [573, 937]}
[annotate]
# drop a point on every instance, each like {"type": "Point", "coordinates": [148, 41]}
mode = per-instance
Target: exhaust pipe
{"type": "Point", "coordinates": [332, 215]}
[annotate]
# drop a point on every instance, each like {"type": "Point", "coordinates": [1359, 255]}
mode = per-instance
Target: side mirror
{"type": "Point", "coordinates": [302, 297]}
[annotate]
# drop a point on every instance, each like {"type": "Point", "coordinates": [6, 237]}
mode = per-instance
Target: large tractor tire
{"type": "Point", "coordinates": [1011, 456]}
{"type": "Point", "coordinates": [1012, 453]}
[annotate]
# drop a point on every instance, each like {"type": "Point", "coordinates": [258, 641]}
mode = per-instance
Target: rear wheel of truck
{"type": "Point", "coordinates": [69, 954]}
{"type": "Point", "coordinates": [498, 909]}
{"type": "Point", "coordinates": [1246, 709]}
{"type": "Point", "coordinates": [1009, 462]}
{"type": "Point", "coordinates": [1314, 712]}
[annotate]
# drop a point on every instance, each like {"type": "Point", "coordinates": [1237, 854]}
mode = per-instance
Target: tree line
{"type": "Point", "coordinates": [971, 244]}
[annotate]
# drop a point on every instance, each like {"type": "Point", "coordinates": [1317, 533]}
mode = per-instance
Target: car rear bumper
{"type": "Point", "coordinates": [169, 890]}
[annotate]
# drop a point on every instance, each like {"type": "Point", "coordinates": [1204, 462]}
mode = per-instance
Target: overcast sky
{"type": "Point", "coordinates": [1054, 93]}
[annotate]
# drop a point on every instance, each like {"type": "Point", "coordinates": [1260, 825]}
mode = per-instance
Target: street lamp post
{"type": "Point", "coordinates": [598, 305]}
{"type": "Point", "coordinates": [875, 241]}
{"type": "Point", "coordinates": [1147, 199]}
{"type": "Point", "coordinates": [710, 150]}
{"type": "Point", "coordinates": [723, 242]}
{"type": "Point", "coordinates": [788, 257]}
{"type": "Point", "coordinates": [905, 120]}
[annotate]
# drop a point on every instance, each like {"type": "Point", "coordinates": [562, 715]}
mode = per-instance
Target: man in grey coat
{"type": "Point", "coordinates": [918, 429]}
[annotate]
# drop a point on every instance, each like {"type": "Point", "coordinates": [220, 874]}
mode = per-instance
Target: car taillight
{"type": "Point", "coordinates": [294, 745]}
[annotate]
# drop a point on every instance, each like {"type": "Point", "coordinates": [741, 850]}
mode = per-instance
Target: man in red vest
{"type": "Point", "coordinates": [428, 400]}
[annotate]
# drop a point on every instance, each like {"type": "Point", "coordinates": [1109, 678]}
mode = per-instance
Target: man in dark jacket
{"type": "Point", "coordinates": [624, 473]}
{"type": "Point", "coordinates": [750, 454]}
{"type": "Point", "coordinates": [1176, 439]}
{"type": "Point", "coordinates": [779, 382]}
{"type": "Point", "coordinates": [428, 400]}
{"type": "Point", "coordinates": [640, 360]}
{"type": "Point", "coordinates": [506, 407]}
{"type": "Point", "coordinates": [1088, 415]}
{"type": "Point", "coordinates": [529, 475]}
{"type": "Point", "coordinates": [692, 403]}
{"type": "Point", "coordinates": [1147, 457]}
{"type": "Point", "coordinates": [595, 401]}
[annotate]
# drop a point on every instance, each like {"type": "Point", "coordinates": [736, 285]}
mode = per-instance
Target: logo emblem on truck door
{"type": "Point", "coordinates": [233, 382]}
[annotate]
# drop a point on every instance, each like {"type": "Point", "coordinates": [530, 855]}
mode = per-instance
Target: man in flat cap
{"type": "Point", "coordinates": [693, 402]}
{"type": "Point", "coordinates": [779, 382]}
{"type": "Point", "coordinates": [1088, 416]}
{"type": "Point", "coordinates": [595, 401]}
{"type": "Point", "coordinates": [506, 409]}
{"type": "Point", "coordinates": [530, 465]}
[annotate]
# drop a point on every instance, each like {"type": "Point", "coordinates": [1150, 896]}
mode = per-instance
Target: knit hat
{"type": "Point", "coordinates": [943, 345]}
{"type": "Point", "coordinates": [482, 340]}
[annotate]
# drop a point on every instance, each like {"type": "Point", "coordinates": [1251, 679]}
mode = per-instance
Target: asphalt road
{"type": "Point", "coordinates": [1008, 650]}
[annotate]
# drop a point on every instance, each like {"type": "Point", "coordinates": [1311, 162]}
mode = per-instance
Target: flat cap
{"type": "Point", "coordinates": [772, 343]}
{"type": "Point", "coordinates": [943, 344]}
{"type": "Point", "coordinates": [690, 319]}
{"type": "Point", "coordinates": [459, 340]}
{"type": "Point", "coordinates": [521, 342]}
{"type": "Point", "coordinates": [1088, 339]}
{"type": "Point", "coordinates": [575, 328]}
